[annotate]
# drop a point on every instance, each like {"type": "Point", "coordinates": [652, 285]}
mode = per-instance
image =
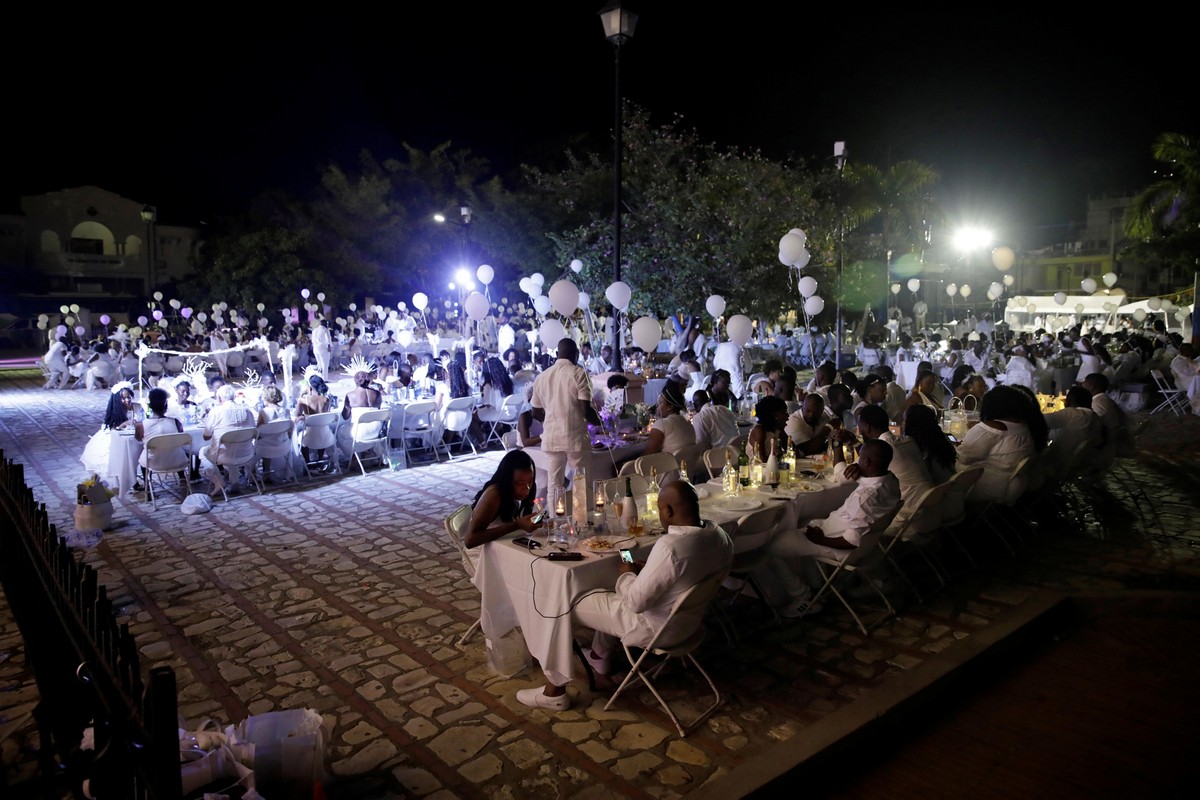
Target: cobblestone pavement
{"type": "Point", "coordinates": [342, 594]}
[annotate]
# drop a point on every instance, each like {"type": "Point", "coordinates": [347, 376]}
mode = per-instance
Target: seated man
{"type": "Point", "coordinates": [807, 428]}
{"type": "Point", "coordinates": [838, 409]}
{"type": "Point", "coordinates": [1117, 435]}
{"type": "Point", "coordinates": [715, 426]}
{"type": "Point", "coordinates": [840, 533]}
{"type": "Point", "coordinates": [228, 414]}
{"type": "Point", "coordinates": [720, 389]}
{"type": "Point", "coordinates": [1075, 423]}
{"type": "Point", "coordinates": [688, 553]}
{"type": "Point", "coordinates": [1184, 366]}
{"type": "Point", "coordinates": [908, 465]}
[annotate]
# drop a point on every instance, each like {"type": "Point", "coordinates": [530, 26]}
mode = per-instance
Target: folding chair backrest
{"type": "Point", "coordinates": [757, 528]}
{"type": "Point", "coordinates": [662, 462]}
{"type": "Point", "coordinates": [456, 530]}
{"type": "Point", "coordinates": [638, 485]}
{"type": "Point", "coordinates": [319, 430]}
{"type": "Point", "coordinates": [1019, 481]}
{"type": "Point", "coordinates": [235, 447]}
{"type": "Point", "coordinates": [416, 415]}
{"type": "Point", "coordinates": [510, 440]}
{"type": "Point", "coordinates": [165, 453]}
{"type": "Point", "coordinates": [933, 498]}
{"type": "Point", "coordinates": [458, 413]}
{"type": "Point", "coordinates": [696, 596]}
{"type": "Point", "coordinates": [365, 422]}
{"type": "Point", "coordinates": [714, 459]}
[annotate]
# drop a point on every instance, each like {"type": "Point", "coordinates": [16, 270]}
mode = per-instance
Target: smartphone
{"type": "Point", "coordinates": [952, 438]}
{"type": "Point", "coordinates": [537, 519]}
{"type": "Point", "coordinates": [525, 541]}
{"type": "Point", "coordinates": [627, 556]}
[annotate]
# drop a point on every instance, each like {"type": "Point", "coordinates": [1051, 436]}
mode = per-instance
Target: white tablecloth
{"type": "Point", "coordinates": [599, 464]}
{"type": "Point", "coordinates": [520, 588]}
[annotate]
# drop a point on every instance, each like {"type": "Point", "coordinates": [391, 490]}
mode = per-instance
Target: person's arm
{"type": "Point", "coordinates": [639, 589]}
{"type": "Point", "coordinates": [139, 431]}
{"type": "Point", "coordinates": [486, 527]}
{"type": "Point", "coordinates": [655, 443]}
{"type": "Point", "coordinates": [524, 424]}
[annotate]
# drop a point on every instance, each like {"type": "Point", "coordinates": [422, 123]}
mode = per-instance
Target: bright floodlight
{"type": "Point", "coordinates": [463, 276]}
{"type": "Point", "coordinates": [968, 239]}
{"type": "Point", "coordinates": [439, 217]}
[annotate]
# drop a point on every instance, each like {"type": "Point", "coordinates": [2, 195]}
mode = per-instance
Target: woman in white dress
{"type": "Point", "coordinates": [1001, 440]}
{"type": "Point", "coordinates": [120, 414]}
{"type": "Point", "coordinates": [1089, 362]}
{"type": "Point", "coordinates": [672, 432]}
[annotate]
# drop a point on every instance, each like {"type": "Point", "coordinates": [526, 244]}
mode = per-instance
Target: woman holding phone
{"type": "Point", "coordinates": [505, 503]}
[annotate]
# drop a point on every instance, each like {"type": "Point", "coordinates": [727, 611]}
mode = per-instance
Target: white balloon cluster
{"type": "Point", "coordinates": [793, 251]}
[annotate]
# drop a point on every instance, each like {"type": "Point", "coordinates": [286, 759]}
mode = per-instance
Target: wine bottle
{"type": "Point", "coordinates": [629, 513]}
{"type": "Point", "coordinates": [683, 476]}
{"type": "Point", "coordinates": [744, 466]}
{"type": "Point", "coordinates": [652, 492]}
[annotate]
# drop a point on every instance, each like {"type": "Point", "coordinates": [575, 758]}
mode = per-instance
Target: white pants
{"type": "Point", "coordinates": [786, 547]}
{"type": "Point", "coordinates": [556, 472]}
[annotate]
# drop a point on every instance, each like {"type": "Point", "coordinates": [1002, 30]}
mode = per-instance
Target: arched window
{"type": "Point", "coordinates": [93, 238]}
{"type": "Point", "coordinates": [50, 242]}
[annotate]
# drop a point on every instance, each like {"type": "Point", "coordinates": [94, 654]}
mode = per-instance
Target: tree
{"type": "Point", "coordinates": [1164, 219]}
{"type": "Point", "coordinates": [699, 220]}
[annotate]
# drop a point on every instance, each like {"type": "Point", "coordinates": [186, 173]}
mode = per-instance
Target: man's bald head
{"type": "Point", "coordinates": [678, 505]}
{"type": "Point", "coordinates": [568, 349]}
{"type": "Point", "coordinates": [874, 458]}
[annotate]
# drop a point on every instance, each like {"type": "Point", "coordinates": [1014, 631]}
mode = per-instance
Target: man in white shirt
{"type": "Point", "coordinates": [1184, 366]}
{"type": "Point", "coordinates": [807, 428]}
{"type": "Point", "coordinates": [716, 426]}
{"type": "Point", "coordinates": [505, 335]}
{"type": "Point", "coordinates": [322, 346]}
{"type": "Point", "coordinates": [562, 402]}
{"type": "Point", "coordinates": [839, 534]}
{"type": "Point", "coordinates": [976, 358]}
{"type": "Point", "coordinates": [1117, 435]}
{"type": "Point", "coordinates": [1074, 424]}
{"type": "Point", "coordinates": [690, 552]}
{"type": "Point", "coordinates": [226, 415]}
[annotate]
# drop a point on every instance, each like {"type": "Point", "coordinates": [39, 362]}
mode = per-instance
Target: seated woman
{"type": "Point", "coordinates": [529, 428]}
{"type": "Point", "coordinates": [771, 416]}
{"type": "Point", "coordinates": [672, 432]}
{"type": "Point", "coordinates": [272, 410]}
{"type": "Point", "coordinates": [157, 422]}
{"type": "Point", "coordinates": [998, 444]}
{"type": "Point", "coordinates": [921, 425]}
{"type": "Point", "coordinates": [363, 397]}
{"type": "Point", "coordinates": [923, 391]}
{"type": "Point", "coordinates": [313, 400]}
{"type": "Point", "coordinates": [504, 504]}
{"type": "Point", "coordinates": [120, 414]}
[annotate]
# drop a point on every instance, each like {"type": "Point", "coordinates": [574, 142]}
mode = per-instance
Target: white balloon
{"type": "Point", "coordinates": [1003, 258]}
{"type": "Point", "coordinates": [485, 274]}
{"type": "Point", "coordinates": [1154, 303]}
{"type": "Point", "coordinates": [576, 266]}
{"type": "Point", "coordinates": [535, 290]}
{"type": "Point", "coordinates": [175, 304]}
{"type": "Point", "coordinates": [64, 309]}
{"type": "Point", "coordinates": [1060, 298]}
{"type": "Point", "coordinates": [1009, 280]}
{"type": "Point", "coordinates": [996, 287]}
{"type": "Point", "coordinates": [525, 284]}
{"type": "Point", "coordinates": [619, 294]}
{"type": "Point", "coordinates": [791, 248]}
{"type": "Point", "coordinates": [420, 301]}
{"type": "Point", "coordinates": [1079, 308]}
{"type": "Point", "coordinates": [802, 261]}
{"type": "Point", "coordinates": [1110, 279]}
{"type": "Point", "coordinates": [1088, 285]}
{"type": "Point", "coordinates": [75, 306]}
{"type": "Point", "coordinates": [1140, 314]}
{"type": "Point", "coordinates": [202, 316]}
{"type": "Point", "coordinates": [896, 288]}
{"type": "Point", "coordinates": [585, 300]}
{"type": "Point", "coordinates": [552, 332]}
{"type": "Point", "coordinates": [157, 296]}
{"type": "Point", "coordinates": [404, 337]}
{"type": "Point", "coordinates": [814, 305]}
{"type": "Point", "coordinates": [715, 305]}
{"type": "Point", "coordinates": [952, 289]}
{"type": "Point", "coordinates": [538, 278]}
{"type": "Point", "coordinates": [542, 304]}
{"type": "Point", "coordinates": [80, 330]}
{"type": "Point", "coordinates": [1167, 305]}
{"type": "Point", "coordinates": [354, 306]}
{"type": "Point", "coordinates": [304, 293]}
{"type": "Point", "coordinates": [965, 291]}
{"type": "Point", "coordinates": [913, 284]}
{"type": "Point", "coordinates": [61, 330]}
{"type": "Point", "coordinates": [142, 321]}
{"type": "Point", "coordinates": [476, 306]}
{"type": "Point", "coordinates": [739, 328]}
{"type": "Point", "coordinates": [992, 294]}
{"type": "Point", "coordinates": [1110, 307]}
{"type": "Point", "coordinates": [807, 286]}
{"type": "Point", "coordinates": [340, 321]}
{"type": "Point", "coordinates": [564, 297]}
{"type": "Point", "coordinates": [1031, 308]}
{"type": "Point", "coordinates": [647, 332]}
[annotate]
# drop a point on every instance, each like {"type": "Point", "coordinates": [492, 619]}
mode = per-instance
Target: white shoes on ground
{"type": "Point", "coordinates": [800, 607]}
{"type": "Point", "coordinates": [537, 698]}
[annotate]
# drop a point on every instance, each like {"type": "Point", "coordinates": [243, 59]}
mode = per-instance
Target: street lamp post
{"type": "Point", "coordinates": [619, 23]}
{"type": "Point", "coordinates": [149, 214]}
{"type": "Point", "coordinates": [464, 213]}
{"type": "Point", "coordinates": [839, 158]}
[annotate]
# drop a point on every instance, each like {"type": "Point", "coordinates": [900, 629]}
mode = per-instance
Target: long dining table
{"type": "Point", "coordinates": [521, 588]}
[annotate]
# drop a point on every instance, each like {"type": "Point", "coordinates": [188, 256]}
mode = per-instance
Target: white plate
{"type": "Point", "coordinates": [602, 545]}
{"type": "Point", "coordinates": [737, 503]}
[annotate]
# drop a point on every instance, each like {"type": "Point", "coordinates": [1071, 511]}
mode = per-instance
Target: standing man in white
{"type": "Point", "coordinates": [562, 402]}
{"type": "Point", "coordinates": [322, 345]}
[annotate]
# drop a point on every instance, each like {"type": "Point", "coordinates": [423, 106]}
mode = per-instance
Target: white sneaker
{"type": "Point", "coordinates": [599, 665]}
{"type": "Point", "coordinates": [800, 607]}
{"type": "Point", "coordinates": [537, 698]}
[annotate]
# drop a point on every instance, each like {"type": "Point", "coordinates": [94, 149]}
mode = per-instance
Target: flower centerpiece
{"type": "Point", "coordinates": [93, 504]}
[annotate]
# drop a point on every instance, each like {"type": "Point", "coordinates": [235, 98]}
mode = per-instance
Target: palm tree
{"type": "Point", "coordinates": [1169, 204]}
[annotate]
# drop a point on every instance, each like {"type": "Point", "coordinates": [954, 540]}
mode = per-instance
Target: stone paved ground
{"type": "Point", "coordinates": [342, 595]}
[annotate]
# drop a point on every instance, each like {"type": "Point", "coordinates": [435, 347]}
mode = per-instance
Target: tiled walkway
{"type": "Point", "coordinates": [342, 595]}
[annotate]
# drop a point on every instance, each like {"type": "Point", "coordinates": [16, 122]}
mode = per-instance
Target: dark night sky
{"type": "Point", "coordinates": [1024, 118]}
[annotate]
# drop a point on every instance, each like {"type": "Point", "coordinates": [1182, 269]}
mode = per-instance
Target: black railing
{"type": "Point", "coordinates": [85, 664]}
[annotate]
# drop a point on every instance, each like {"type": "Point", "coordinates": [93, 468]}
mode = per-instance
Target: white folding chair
{"type": "Point", "coordinates": [714, 459]}
{"type": "Point", "coordinates": [368, 432]}
{"type": "Point", "coordinates": [457, 419]}
{"type": "Point", "coordinates": [832, 569]}
{"type": "Point", "coordinates": [750, 538]}
{"type": "Point", "coordinates": [320, 433]}
{"type": "Point", "coordinates": [1172, 397]}
{"type": "Point", "coordinates": [906, 535]}
{"type": "Point", "coordinates": [494, 418]}
{"type": "Point", "coordinates": [275, 442]}
{"type": "Point", "coordinates": [510, 440]}
{"type": "Point", "coordinates": [456, 528]}
{"type": "Point", "coordinates": [235, 448]}
{"type": "Point", "coordinates": [664, 465]}
{"type": "Point", "coordinates": [681, 645]}
{"type": "Point", "coordinates": [420, 425]}
{"type": "Point", "coordinates": [167, 454]}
